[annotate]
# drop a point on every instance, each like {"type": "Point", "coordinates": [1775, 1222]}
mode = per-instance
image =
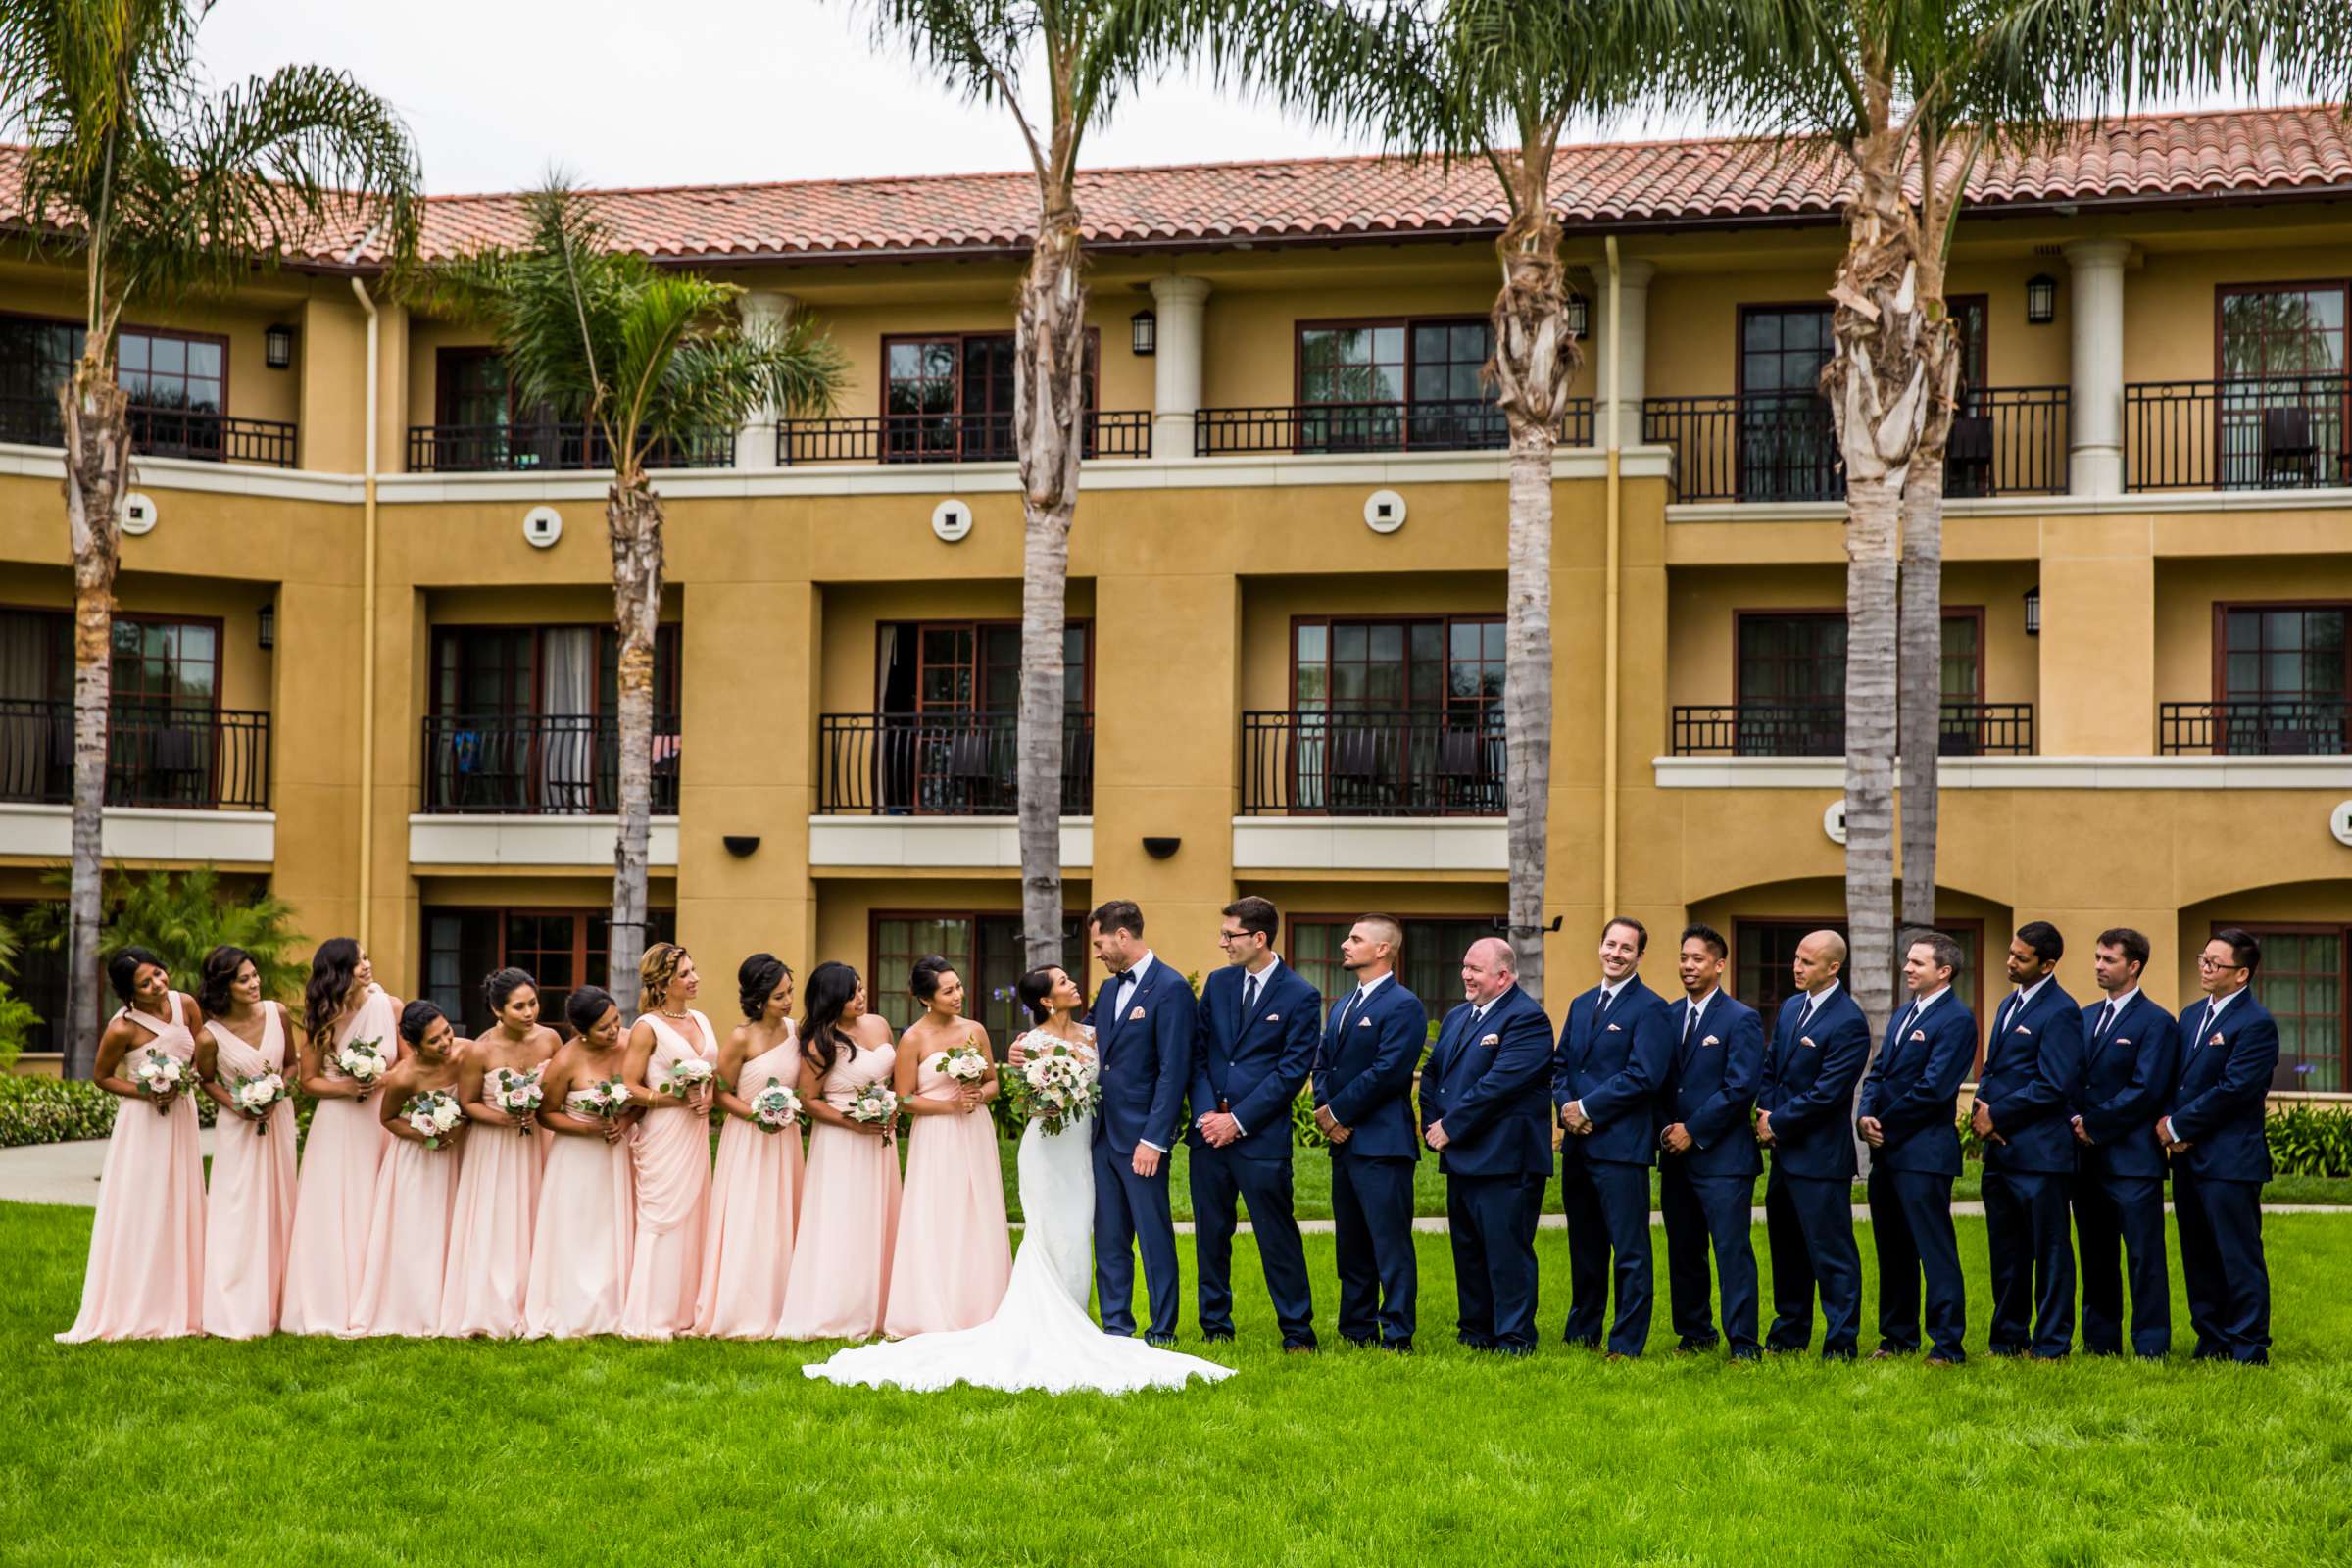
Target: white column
{"type": "Point", "coordinates": [2095, 450]}
{"type": "Point", "coordinates": [755, 442]}
{"type": "Point", "coordinates": [1178, 305]}
{"type": "Point", "coordinates": [1633, 333]}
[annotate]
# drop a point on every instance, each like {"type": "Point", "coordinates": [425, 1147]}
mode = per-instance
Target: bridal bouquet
{"type": "Point", "coordinates": [255, 1096]}
{"type": "Point", "coordinates": [776, 1109]}
{"type": "Point", "coordinates": [160, 1078]}
{"type": "Point", "coordinates": [604, 1101]}
{"type": "Point", "coordinates": [966, 1064]}
{"type": "Point", "coordinates": [687, 1076]}
{"type": "Point", "coordinates": [361, 1059]}
{"type": "Point", "coordinates": [1056, 1088]}
{"type": "Point", "coordinates": [517, 1094]}
{"type": "Point", "coordinates": [874, 1103]}
{"type": "Point", "coordinates": [435, 1113]}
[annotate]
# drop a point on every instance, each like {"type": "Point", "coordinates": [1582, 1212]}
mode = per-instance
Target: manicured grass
{"type": "Point", "coordinates": [299, 1452]}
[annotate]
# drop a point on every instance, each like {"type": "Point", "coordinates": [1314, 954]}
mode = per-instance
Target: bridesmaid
{"type": "Point", "coordinates": [672, 1149]}
{"type": "Point", "coordinates": [416, 1191]}
{"type": "Point", "coordinates": [953, 1254]}
{"type": "Point", "coordinates": [754, 1195]}
{"type": "Point", "coordinates": [849, 1210]}
{"type": "Point", "coordinates": [335, 1196]}
{"type": "Point", "coordinates": [249, 1218]}
{"type": "Point", "coordinates": [588, 1200]}
{"type": "Point", "coordinates": [145, 1278]}
{"type": "Point", "coordinates": [498, 1169]}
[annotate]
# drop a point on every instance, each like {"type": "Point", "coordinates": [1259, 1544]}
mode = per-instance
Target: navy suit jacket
{"type": "Point", "coordinates": [2128, 1078]}
{"type": "Point", "coordinates": [1491, 1087]}
{"type": "Point", "coordinates": [1144, 1062]}
{"type": "Point", "coordinates": [1364, 1072]}
{"type": "Point", "coordinates": [2033, 1073]}
{"type": "Point", "coordinates": [2220, 1095]}
{"type": "Point", "coordinates": [1256, 1065]}
{"type": "Point", "coordinates": [1914, 1087]}
{"type": "Point", "coordinates": [1715, 1078]}
{"type": "Point", "coordinates": [1809, 1079]}
{"type": "Point", "coordinates": [1618, 1070]}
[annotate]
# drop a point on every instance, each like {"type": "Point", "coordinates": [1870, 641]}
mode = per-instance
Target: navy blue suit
{"type": "Point", "coordinates": [1817, 1050]}
{"type": "Point", "coordinates": [2031, 1076]}
{"type": "Point", "coordinates": [1913, 1088]}
{"type": "Point", "coordinates": [1704, 1195]}
{"type": "Point", "coordinates": [1252, 1068]}
{"type": "Point", "coordinates": [1364, 1076]}
{"type": "Point", "coordinates": [2219, 1102]}
{"type": "Point", "coordinates": [1146, 1054]}
{"type": "Point", "coordinates": [1489, 1082]}
{"type": "Point", "coordinates": [1616, 1061]}
{"type": "Point", "coordinates": [2129, 1069]}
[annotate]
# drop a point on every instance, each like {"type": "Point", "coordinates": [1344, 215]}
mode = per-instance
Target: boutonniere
{"type": "Point", "coordinates": [1491, 1040]}
{"type": "Point", "coordinates": [1135, 1017]}
{"type": "Point", "coordinates": [1717, 1039]}
{"type": "Point", "coordinates": [1916, 1033]}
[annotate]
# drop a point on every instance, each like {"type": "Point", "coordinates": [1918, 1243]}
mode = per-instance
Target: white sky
{"type": "Point", "coordinates": [672, 92]}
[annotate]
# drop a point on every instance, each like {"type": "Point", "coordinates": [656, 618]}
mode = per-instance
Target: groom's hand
{"type": "Point", "coordinates": [1147, 1160]}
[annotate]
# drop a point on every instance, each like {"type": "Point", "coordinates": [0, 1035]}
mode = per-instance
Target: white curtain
{"type": "Point", "coordinates": [568, 713]}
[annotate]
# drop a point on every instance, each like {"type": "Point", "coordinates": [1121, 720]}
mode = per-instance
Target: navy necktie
{"type": "Point", "coordinates": [1249, 997]}
{"type": "Point", "coordinates": [2106, 1022]}
{"type": "Point", "coordinates": [1689, 1020]}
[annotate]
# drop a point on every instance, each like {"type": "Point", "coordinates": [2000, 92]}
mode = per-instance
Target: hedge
{"type": "Point", "coordinates": [51, 1110]}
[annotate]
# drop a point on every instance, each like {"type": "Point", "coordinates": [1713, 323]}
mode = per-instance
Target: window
{"type": "Point", "coordinates": [947, 697]}
{"type": "Point", "coordinates": [1397, 716]}
{"type": "Point", "coordinates": [2282, 354]}
{"type": "Point", "coordinates": [172, 663]}
{"type": "Point", "coordinates": [1789, 679]}
{"type": "Point", "coordinates": [1442, 663]}
{"type": "Point", "coordinates": [563, 949]}
{"type": "Point", "coordinates": [986, 949]}
{"type": "Point", "coordinates": [949, 397]}
{"type": "Point", "coordinates": [473, 389]}
{"type": "Point", "coordinates": [1763, 950]}
{"type": "Point", "coordinates": [487, 671]}
{"type": "Point", "coordinates": [164, 745]}
{"type": "Point", "coordinates": [971, 666]}
{"type": "Point", "coordinates": [1432, 968]}
{"type": "Point", "coordinates": [40, 982]}
{"type": "Point", "coordinates": [1787, 448]}
{"type": "Point", "coordinates": [527, 720]}
{"type": "Point", "coordinates": [2284, 672]}
{"type": "Point", "coordinates": [2301, 982]}
{"type": "Point", "coordinates": [1389, 384]}
{"type": "Point", "coordinates": [160, 370]}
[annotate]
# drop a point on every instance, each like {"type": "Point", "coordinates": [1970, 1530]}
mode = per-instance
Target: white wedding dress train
{"type": "Point", "coordinates": [1041, 1337]}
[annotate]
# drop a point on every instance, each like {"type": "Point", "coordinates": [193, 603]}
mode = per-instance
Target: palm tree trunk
{"type": "Point", "coordinates": [1920, 674]}
{"type": "Point", "coordinates": [1049, 402]}
{"type": "Point", "coordinates": [633, 517]}
{"type": "Point", "coordinates": [97, 439]}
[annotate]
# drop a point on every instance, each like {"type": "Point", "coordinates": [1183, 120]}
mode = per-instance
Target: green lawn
{"type": "Point", "coordinates": [301, 1451]}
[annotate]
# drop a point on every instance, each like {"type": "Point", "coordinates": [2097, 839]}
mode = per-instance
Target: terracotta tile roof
{"type": "Point", "coordinates": [1719, 181]}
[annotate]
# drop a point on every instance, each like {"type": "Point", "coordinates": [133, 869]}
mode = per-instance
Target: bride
{"type": "Point", "coordinates": [1041, 1337]}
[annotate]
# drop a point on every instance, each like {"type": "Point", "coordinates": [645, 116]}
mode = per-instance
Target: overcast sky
{"type": "Point", "coordinates": [672, 92]}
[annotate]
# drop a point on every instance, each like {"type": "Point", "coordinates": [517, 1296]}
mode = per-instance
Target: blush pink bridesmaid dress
{"type": "Point", "coordinates": [499, 1172]}
{"type": "Point", "coordinates": [671, 1151]}
{"type": "Point", "coordinates": [953, 1253]}
{"type": "Point", "coordinates": [248, 1216]}
{"type": "Point", "coordinates": [145, 1278]}
{"type": "Point", "coordinates": [755, 1199]}
{"type": "Point", "coordinates": [580, 1245]}
{"type": "Point", "coordinates": [848, 1216]}
{"type": "Point", "coordinates": [408, 1241]}
{"type": "Point", "coordinates": [334, 1199]}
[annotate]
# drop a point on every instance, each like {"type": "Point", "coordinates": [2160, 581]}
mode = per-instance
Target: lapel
{"type": "Point", "coordinates": [1685, 1053]}
{"type": "Point", "coordinates": [2100, 1038]}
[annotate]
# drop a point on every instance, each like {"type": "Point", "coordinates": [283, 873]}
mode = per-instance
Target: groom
{"type": "Point", "coordinates": [1143, 1021]}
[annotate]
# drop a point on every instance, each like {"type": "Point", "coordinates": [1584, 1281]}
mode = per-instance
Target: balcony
{"type": "Point", "coordinates": [1783, 446]}
{"type": "Point", "coordinates": [160, 755]}
{"type": "Point", "coordinates": [549, 446]}
{"type": "Point", "coordinates": [1373, 763]}
{"type": "Point", "coordinates": [200, 435]}
{"type": "Point", "coordinates": [538, 764]}
{"type": "Point", "coordinates": [2303, 726]}
{"type": "Point", "coordinates": [2269, 433]}
{"type": "Point", "coordinates": [946, 438]}
{"type": "Point", "coordinates": [940, 764]}
{"type": "Point", "coordinates": [1462, 425]}
{"type": "Point", "coordinates": [1818, 729]}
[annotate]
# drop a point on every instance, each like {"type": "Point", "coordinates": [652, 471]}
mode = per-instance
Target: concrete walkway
{"type": "Point", "coordinates": [68, 1173]}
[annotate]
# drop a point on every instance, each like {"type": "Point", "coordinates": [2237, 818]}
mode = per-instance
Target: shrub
{"type": "Point", "coordinates": [16, 1016]}
{"type": "Point", "coordinates": [181, 917]}
{"type": "Point", "coordinates": [2309, 1140]}
{"type": "Point", "coordinates": [51, 1110]}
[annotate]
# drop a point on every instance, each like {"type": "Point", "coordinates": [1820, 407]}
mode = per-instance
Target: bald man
{"type": "Point", "coordinates": [1486, 1108]}
{"type": "Point", "coordinates": [1820, 1045]}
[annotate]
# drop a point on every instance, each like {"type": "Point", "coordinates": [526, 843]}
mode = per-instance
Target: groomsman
{"type": "Point", "coordinates": [1707, 1171]}
{"type": "Point", "coordinates": [2131, 1058]}
{"type": "Point", "coordinates": [1820, 1043]}
{"type": "Point", "coordinates": [1363, 1080]}
{"type": "Point", "coordinates": [1143, 1020]}
{"type": "Point", "coordinates": [1253, 1049]}
{"type": "Point", "coordinates": [2214, 1132]}
{"type": "Point", "coordinates": [1614, 1053]}
{"type": "Point", "coordinates": [2025, 1092]}
{"type": "Point", "coordinates": [1486, 1108]}
{"type": "Point", "coordinates": [1910, 1115]}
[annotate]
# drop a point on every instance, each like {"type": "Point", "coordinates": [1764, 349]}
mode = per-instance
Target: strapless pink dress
{"type": "Point", "coordinates": [248, 1216]}
{"type": "Point", "coordinates": [408, 1241]}
{"type": "Point", "coordinates": [954, 1252]}
{"type": "Point", "coordinates": [580, 1244]}
{"type": "Point", "coordinates": [490, 1234]}
{"type": "Point", "coordinates": [334, 1199]}
{"type": "Point", "coordinates": [849, 1218]}
{"type": "Point", "coordinates": [755, 1197]}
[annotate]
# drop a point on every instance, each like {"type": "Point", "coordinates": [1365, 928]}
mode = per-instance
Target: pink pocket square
{"type": "Point", "coordinates": [1135, 1015]}
{"type": "Point", "coordinates": [1919, 1034]}
{"type": "Point", "coordinates": [1273, 1017]}
{"type": "Point", "coordinates": [2020, 1029]}
{"type": "Point", "coordinates": [1614, 1029]}
{"type": "Point", "coordinates": [1492, 1039]}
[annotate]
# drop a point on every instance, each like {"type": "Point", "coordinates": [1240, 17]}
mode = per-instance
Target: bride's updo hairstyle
{"type": "Point", "coordinates": [1036, 991]}
{"type": "Point", "coordinates": [923, 981]}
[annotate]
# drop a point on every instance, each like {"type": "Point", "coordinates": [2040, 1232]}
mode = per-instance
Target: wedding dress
{"type": "Point", "coordinates": [1041, 1337]}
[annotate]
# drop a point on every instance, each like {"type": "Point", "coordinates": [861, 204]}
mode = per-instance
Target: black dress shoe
{"type": "Point", "coordinates": [1889, 1353]}
{"type": "Point", "coordinates": [1400, 1347]}
{"type": "Point", "coordinates": [1945, 1360]}
{"type": "Point", "coordinates": [1216, 1339]}
{"type": "Point", "coordinates": [1164, 1341]}
{"type": "Point", "coordinates": [1469, 1344]}
{"type": "Point", "coordinates": [1747, 1355]}
{"type": "Point", "coordinates": [1300, 1347]}
{"type": "Point", "coordinates": [1696, 1347]}
{"type": "Point", "coordinates": [1365, 1344]}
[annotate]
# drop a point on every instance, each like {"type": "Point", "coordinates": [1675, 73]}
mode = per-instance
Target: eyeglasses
{"type": "Point", "coordinates": [2204, 962]}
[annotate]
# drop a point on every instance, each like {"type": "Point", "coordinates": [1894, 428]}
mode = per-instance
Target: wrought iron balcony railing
{"type": "Point", "coordinates": [158, 431]}
{"type": "Point", "coordinates": [513, 448]}
{"type": "Point", "coordinates": [940, 764]}
{"type": "Point", "coordinates": [1375, 764]}
{"type": "Point", "coordinates": [158, 753]}
{"type": "Point", "coordinates": [539, 764]}
{"type": "Point", "coordinates": [2257, 726]}
{"type": "Point", "coordinates": [1783, 446]}
{"type": "Point", "coordinates": [1469, 424]}
{"type": "Point", "coordinates": [1818, 729]}
{"type": "Point", "coordinates": [2280, 432]}
{"type": "Point", "coordinates": [946, 438]}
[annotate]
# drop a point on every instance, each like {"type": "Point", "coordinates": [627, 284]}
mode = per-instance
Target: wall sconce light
{"type": "Point", "coordinates": [2041, 299]}
{"type": "Point", "coordinates": [2033, 611]}
{"type": "Point", "coordinates": [277, 347]}
{"type": "Point", "coordinates": [1579, 324]}
{"type": "Point", "coordinates": [1160, 849]}
{"type": "Point", "coordinates": [1143, 328]}
{"type": "Point", "coordinates": [267, 627]}
{"type": "Point", "coordinates": [740, 845]}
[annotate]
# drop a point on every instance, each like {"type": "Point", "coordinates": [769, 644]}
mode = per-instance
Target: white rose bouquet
{"type": "Point", "coordinates": [161, 1077]}
{"type": "Point", "coordinates": [363, 1060]}
{"type": "Point", "coordinates": [604, 1101]}
{"type": "Point", "coordinates": [966, 1064]}
{"type": "Point", "coordinates": [436, 1115]}
{"type": "Point", "coordinates": [517, 1094]}
{"type": "Point", "coordinates": [1056, 1087]}
{"type": "Point", "coordinates": [255, 1096]}
{"type": "Point", "coordinates": [874, 1104]}
{"type": "Point", "coordinates": [776, 1109]}
{"type": "Point", "coordinates": [688, 1076]}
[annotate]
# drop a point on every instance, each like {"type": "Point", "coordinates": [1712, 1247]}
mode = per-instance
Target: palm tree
{"type": "Point", "coordinates": [161, 190]}
{"type": "Point", "coordinates": [650, 361]}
